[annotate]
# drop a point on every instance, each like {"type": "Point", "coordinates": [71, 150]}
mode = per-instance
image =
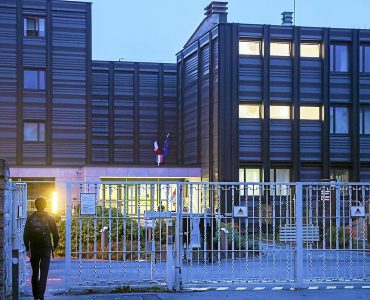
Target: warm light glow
{"type": "Point", "coordinates": [310, 50]}
{"type": "Point", "coordinates": [250, 48]}
{"type": "Point", "coordinates": [310, 113]}
{"type": "Point", "coordinates": [280, 112]}
{"type": "Point", "coordinates": [54, 208]}
{"type": "Point", "coordinates": [249, 111]}
{"type": "Point", "coordinates": [280, 49]}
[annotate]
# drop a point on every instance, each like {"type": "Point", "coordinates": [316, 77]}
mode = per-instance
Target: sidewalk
{"type": "Point", "coordinates": [338, 294]}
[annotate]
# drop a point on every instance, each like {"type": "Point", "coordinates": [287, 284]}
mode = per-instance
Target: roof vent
{"type": "Point", "coordinates": [217, 8]}
{"type": "Point", "coordinates": [287, 18]}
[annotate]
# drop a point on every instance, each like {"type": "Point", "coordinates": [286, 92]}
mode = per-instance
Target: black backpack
{"type": "Point", "coordinates": [39, 230]}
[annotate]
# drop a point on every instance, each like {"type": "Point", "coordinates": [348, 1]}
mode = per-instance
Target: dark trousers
{"type": "Point", "coordinates": [40, 260]}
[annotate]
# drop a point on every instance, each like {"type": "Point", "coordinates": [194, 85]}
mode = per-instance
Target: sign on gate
{"type": "Point", "coordinates": [88, 205]}
{"type": "Point", "coordinates": [240, 212]}
{"type": "Point", "coordinates": [357, 211]}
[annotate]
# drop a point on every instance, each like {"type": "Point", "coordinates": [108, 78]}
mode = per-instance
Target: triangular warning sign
{"type": "Point", "coordinates": [240, 211]}
{"type": "Point", "coordinates": [358, 211]}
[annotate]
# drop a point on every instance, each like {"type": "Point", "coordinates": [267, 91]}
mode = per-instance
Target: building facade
{"type": "Point", "coordinates": [242, 102]}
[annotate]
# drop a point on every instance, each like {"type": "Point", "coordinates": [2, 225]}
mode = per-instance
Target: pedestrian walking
{"type": "Point", "coordinates": [37, 239]}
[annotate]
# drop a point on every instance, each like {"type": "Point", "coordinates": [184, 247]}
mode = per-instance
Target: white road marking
{"type": "Point", "coordinates": [277, 288]}
{"type": "Point", "coordinates": [349, 287]}
{"type": "Point", "coordinates": [259, 288]}
{"type": "Point", "coordinates": [240, 288]}
{"type": "Point", "coordinates": [331, 287]}
{"type": "Point", "coordinates": [313, 287]}
{"type": "Point", "coordinates": [222, 289]}
{"type": "Point", "coordinates": [366, 287]}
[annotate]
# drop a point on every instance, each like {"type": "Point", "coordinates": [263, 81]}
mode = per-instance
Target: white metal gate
{"type": "Point", "coordinates": [178, 234]}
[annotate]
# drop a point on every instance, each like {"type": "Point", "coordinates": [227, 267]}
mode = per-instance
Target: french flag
{"type": "Point", "coordinates": [156, 148]}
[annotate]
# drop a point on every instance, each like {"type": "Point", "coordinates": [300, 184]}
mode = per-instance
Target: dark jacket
{"type": "Point", "coordinates": [28, 239]}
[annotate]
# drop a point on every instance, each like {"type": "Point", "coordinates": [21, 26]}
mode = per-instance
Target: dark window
{"type": "Point", "coordinates": [34, 131]}
{"type": "Point", "coordinates": [339, 58]}
{"type": "Point", "coordinates": [34, 26]}
{"type": "Point", "coordinates": [365, 59]}
{"type": "Point", "coordinates": [365, 120]}
{"type": "Point", "coordinates": [34, 79]}
{"type": "Point", "coordinates": [339, 174]}
{"type": "Point", "coordinates": [339, 119]}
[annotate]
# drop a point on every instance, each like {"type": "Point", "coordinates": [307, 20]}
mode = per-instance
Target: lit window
{"type": "Point", "coordinates": [250, 48]}
{"type": "Point", "coordinates": [280, 49]}
{"type": "Point", "coordinates": [280, 112]}
{"type": "Point", "coordinates": [339, 174]}
{"type": "Point", "coordinates": [365, 120]}
{"type": "Point", "coordinates": [250, 175]}
{"type": "Point", "coordinates": [280, 176]}
{"type": "Point", "coordinates": [365, 59]}
{"type": "Point", "coordinates": [310, 113]}
{"type": "Point", "coordinates": [247, 111]}
{"type": "Point", "coordinates": [34, 132]}
{"type": "Point", "coordinates": [34, 79]}
{"type": "Point", "coordinates": [339, 120]}
{"type": "Point", "coordinates": [34, 26]}
{"type": "Point", "coordinates": [339, 58]}
{"type": "Point", "coordinates": [310, 50]}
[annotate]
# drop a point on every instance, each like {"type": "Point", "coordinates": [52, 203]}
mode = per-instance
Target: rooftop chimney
{"type": "Point", "coordinates": [218, 8]}
{"type": "Point", "coordinates": [287, 18]}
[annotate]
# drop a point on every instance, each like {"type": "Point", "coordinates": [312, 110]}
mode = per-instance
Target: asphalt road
{"type": "Point", "coordinates": [338, 294]}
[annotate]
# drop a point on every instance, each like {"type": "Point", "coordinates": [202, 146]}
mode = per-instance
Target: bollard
{"type": "Point", "coordinates": [15, 274]}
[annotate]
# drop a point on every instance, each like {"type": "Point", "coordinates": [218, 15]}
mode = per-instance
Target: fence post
{"type": "Point", "coordinates": [4, 229]}
{"type": "Point", "coordinates": [298, 270]}
{"type": "Point", "coordinates": [68, 237]}
{"type": "Point", "coordinates": [179, 238]}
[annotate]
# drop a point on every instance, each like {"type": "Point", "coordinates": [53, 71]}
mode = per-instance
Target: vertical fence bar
{"type": "Point", "coordinates": [299, 236]}
{"type": "Point", "coordinates": [179, 237]}
{"type": "Point", "coordinates": [68, 245]}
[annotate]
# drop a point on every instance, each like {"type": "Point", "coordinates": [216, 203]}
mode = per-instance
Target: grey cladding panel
{"type": "Point", "coordinates": [281, 79]}
{"type": "Point", "coordinates": [311, 141]}
{"type": "Point", "coordinates": [364, 92]}
{"type": "Point", "coordinates": [69, 72]}
{"type": "Point", "coordinates": [8, 81]}
{"type": "Point", "coordinates": [340, 148]}
{"type": "Point", "coordinates": [250, 140]}
{"type": "Point", "coordinates": [281, 140]}
{"type": "Point", "coordinates": [311, 173]}
{"type": "Point", "coordinates": [364, 148]}
{"type": "Point", "coordinates": [250, 78]}
{"type": "Point", "coordinates": [311, 80]}
{"type": "Point", "coordinates": [99, 118]}
{"type": "Point", "coordinates": [190, 104]}
{"type": "Point", "coordinates": [340, 88]}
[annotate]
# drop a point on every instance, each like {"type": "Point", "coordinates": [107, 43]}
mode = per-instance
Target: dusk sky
{"type": "Point", "coordinates": [155, 30]}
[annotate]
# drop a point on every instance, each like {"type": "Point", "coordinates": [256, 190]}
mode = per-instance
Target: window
{"type": "Point", "coordinates": [365, 59]}
{"type": "Point", "coordinates": [250, 175]}
{"type": "Point", "coordinates": [280, 112]}
{"type": "Point", "coordinates": [339, 119]}
{"type": "Point", "coordinates": [34, 131]}
{"type": "Point", "coordinates": [280, 49]}
{"type": "Point", "coordinates": [249, 111]}
{"type": "Point", "coordinates": [280, 176]}
{"type": "Point", "coordinates": [310, 50]}
{"type": "Point", "coordinates": [34, 26]}
{"type": "Point", "coordinates": [339, 57]}
{"type": "Point", "coordinates": [339, 174]}
{"type": "Point", "coordinates": [250, 48]}
{"type": "Point", "coordinates": [365, 120]}
{"type": "Point", "coordinates": [310, 113]}
{"type": "Point", "coordinates": [34, 79]}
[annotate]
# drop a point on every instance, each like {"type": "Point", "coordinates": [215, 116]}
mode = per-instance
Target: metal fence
{"type": "Point", "coordinates": [179, 234]}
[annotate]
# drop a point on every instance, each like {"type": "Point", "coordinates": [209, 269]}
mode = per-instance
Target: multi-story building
{"type": "Point", "coordinates": [244, 102]}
